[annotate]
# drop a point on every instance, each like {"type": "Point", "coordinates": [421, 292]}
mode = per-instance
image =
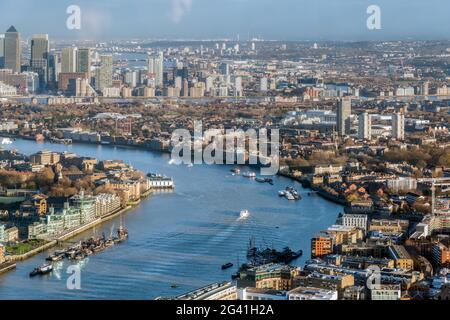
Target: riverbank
{"type": "Point", "coordinates": [319, 190]}
{"type": "Point", "coordinates": [73, 233]}
{"type": "Point", "coordinates": [7, 266]}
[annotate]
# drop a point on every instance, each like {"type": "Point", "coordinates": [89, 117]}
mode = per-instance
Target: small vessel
{"type": "Point", "coordinates": [79, 256]}
{"type": "Point", "coordinates": [71, 253]}
{"type": "Point", "coordinates": [122, 234]}
{"type": "Point", "coordinates": [227, 266]}
{"type": "Point", "coordinates": [6, 141]}
{"type": "Point", "coordinates": [190, 165]}
{"type": "Point", "coordinates": [293, 192]}
{"type": "Point", "coordinates": [55, 257]}
{"type": "Point", "coordinates": [297, 254]}
{"type": "Point", "coordinates": [289, 196]}
{"type": "Point", "coordinates": [236, 170]}
{"type": "Point", "coordinates": [244, 214]}
{"type": "Point", "coordinates": [174, 286]}
{"type": "Point", "coordinates": [261, 180]}
{"type": "Point", "coordinates": [282, 193]}
{"type": "Point", "coordinates": [44, 269]}
{"type": "Point", "coordinates": [109, 243]}
{"type": "Point", "coordinates": [249, 174]}
{"type": "Point", "coordinates": [99, 248]}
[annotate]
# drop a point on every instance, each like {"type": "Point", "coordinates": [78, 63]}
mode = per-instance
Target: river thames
{"type": "Point", "coordinates": [179, 238]}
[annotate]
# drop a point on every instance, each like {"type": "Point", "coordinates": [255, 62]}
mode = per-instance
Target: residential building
{"type": "Point", "coordinates": [402, 258]}
{"type": "Point", "coordinates": [365, 126]}
{"type": "Point", "coordinates": [321, 245]}
{"type": "Point", "coordinates": [343, 116]}
{"type": "Point", "coordinates": [355, 220]}
{"type": "Point", "coordinates": [386, 292]}
{"type": "Point", "coordinates": [269, 276]}
{"type": "Point", "coordinates": [398, 126]}
{"type": "Point", "coordinates": [312, 293]}
{"type": "Point", "coordinates": [441, 254]}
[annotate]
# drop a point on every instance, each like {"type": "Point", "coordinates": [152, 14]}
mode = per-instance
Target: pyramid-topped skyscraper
{"type": "Point", "coordinates": [12, 49]}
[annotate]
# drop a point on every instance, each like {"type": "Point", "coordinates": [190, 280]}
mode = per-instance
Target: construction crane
{"type": "Point", "coordinates": [435, 182]}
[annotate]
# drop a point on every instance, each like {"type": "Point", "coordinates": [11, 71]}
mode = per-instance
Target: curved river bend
{"type": "Point", "coordinates": [182, 237]}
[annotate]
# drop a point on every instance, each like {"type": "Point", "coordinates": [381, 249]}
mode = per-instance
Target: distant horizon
{"type": "Point", "coordinates": [175, 39]}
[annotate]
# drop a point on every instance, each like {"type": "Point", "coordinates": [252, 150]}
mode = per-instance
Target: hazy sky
{"type": "Point", "coordinates": [200, 19]}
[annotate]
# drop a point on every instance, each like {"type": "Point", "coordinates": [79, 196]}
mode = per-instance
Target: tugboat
{"type": "Point", "coordinates": [227, 266]}
{"type": "Point", "coordinates": [42, 270]}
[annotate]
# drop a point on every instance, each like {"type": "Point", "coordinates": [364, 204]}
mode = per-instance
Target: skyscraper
{"type": "Point", "coordinates": [238, 87]}
{"type": "Point", "coordinates": [12, 49]}
{"type": "Point", "coordinates": [151, 64]}
{"type": "Point", "coordinates": [104, 73]}
{"type": "Point", "coordinates": [69, 60]}
{"type": "Point", "coordinates": [84, 61]}
{"type": "Point", "coordinates": [343, 116]}
{"type": "Point", "coordinates": [156, 66]}
{"type": "Point", "coordinates": [224, 69]}
{"type": "Point", "coordinates": [39, 57]}
{"type": "Point", "coordinates": [159, 69]}
{"type": "Point", "coordinates": [263, 86]}
{"type": "Point", "coordinates": [365, 126]}
{"type": "Point", "coordinates": [398, 126]}
{"type": "Point", "coordinates": [2, 50]}
{"type": "Point", "coordinates": [54, 67]}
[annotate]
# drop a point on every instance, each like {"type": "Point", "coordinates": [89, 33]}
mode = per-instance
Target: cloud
{"type": "Point", "coordinates": [179, 9]}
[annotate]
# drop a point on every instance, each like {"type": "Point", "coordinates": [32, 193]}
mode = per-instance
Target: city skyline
{"type": "Point", "coordinates": [322, 20]}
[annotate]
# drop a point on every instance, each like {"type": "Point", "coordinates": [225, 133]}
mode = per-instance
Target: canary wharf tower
{"type": "Point", "coordinates": [12, 49]}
